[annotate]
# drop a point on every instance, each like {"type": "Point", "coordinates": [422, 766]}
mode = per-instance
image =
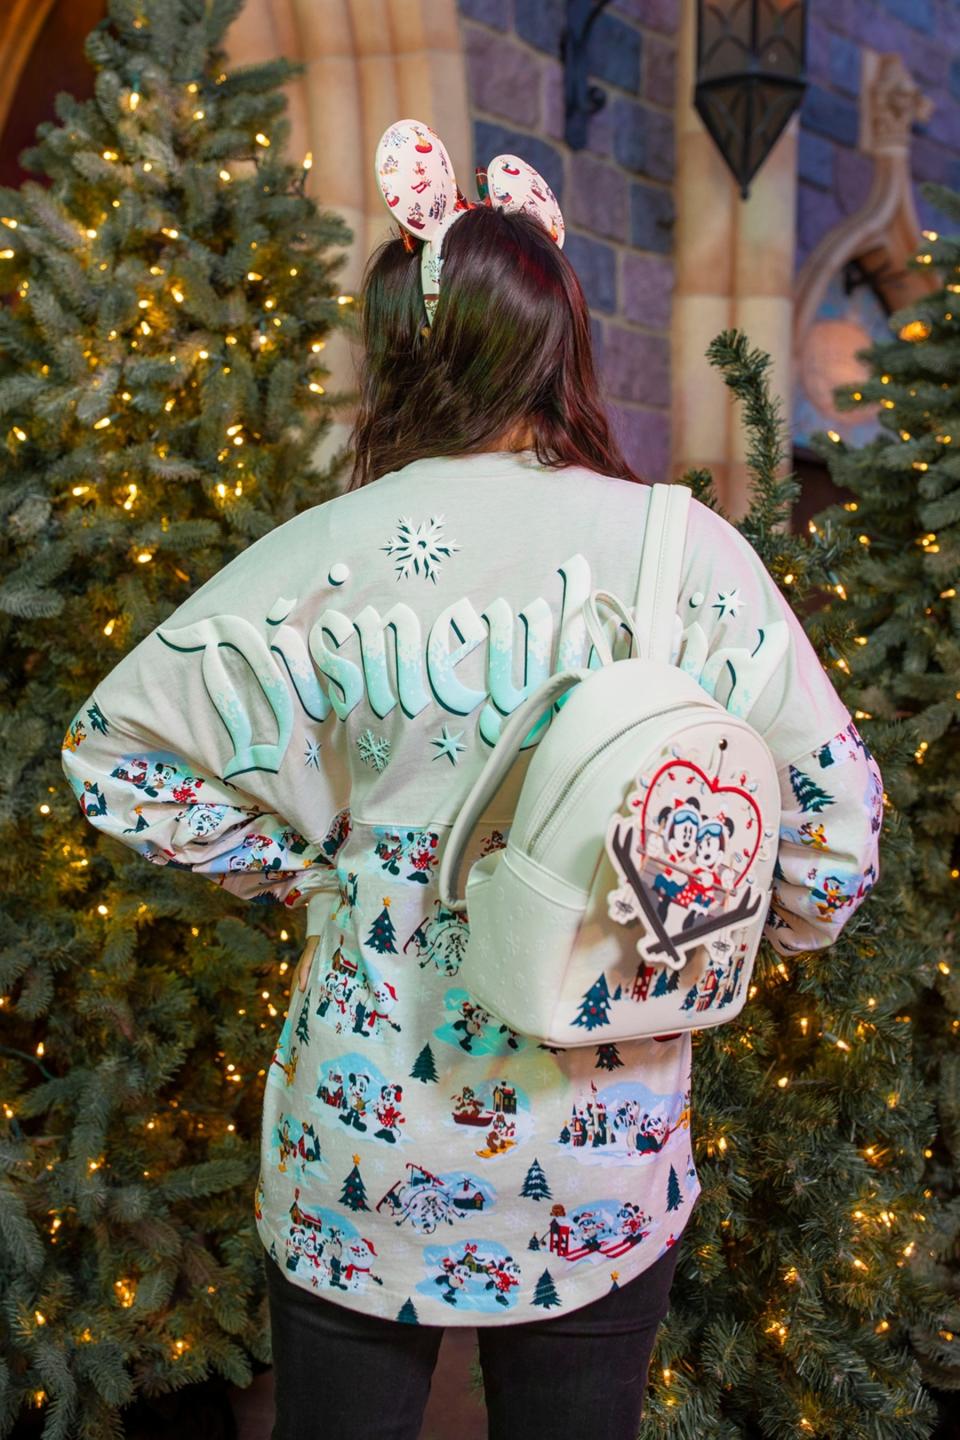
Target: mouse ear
{"type": "Point", "coordinates": [515, 185]}
{"type": "Point", "coordinates": [415, 177]}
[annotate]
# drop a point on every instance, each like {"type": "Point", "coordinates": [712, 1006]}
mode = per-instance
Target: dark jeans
{"type": "Point", "coordinates": [342, 1375]}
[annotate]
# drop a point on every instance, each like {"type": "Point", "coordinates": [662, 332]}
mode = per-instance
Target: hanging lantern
{"type": "Point", "coordinates": [751, 56]}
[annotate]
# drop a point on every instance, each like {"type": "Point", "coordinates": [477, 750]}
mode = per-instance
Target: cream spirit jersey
{"type": "Point", "coordinates": [302, 732]}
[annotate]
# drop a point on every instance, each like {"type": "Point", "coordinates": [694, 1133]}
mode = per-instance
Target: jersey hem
{"type": "Point", "coordinates": [472, 1319]}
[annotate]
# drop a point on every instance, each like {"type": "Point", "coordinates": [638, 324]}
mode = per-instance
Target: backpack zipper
{"type": "Point", "coordinates": [584, 764]}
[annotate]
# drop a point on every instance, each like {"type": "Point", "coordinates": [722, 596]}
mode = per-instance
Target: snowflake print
{"type": "Point", "coordinates": [374, 750]}
{"type": "Point", "coordinates": [448, 745]}
{"type": "Point", "coordinates": [727, 604]}
{"type": "Point", "coordinates": [420, 549]}
{"type": "Point", "coordinates": [312, 754]}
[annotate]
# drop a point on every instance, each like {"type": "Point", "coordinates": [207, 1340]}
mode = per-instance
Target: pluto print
{"type": "Point", "coordinates": [303, 731]}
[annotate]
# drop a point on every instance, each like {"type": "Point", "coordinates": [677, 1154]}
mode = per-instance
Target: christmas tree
{"type": "Point", "coordinates": [900, 672]}
{"type": "Point", "coordinates": [811, 1122]}
{"type": "Point", "coordinates": [608, 1056]}
{"type": "Point", "coordinates": [595, 1005]}
{"type": "Point", "coordinates": [354, 1192]}
{"type": "Point", "coordinates": [809, 794]}
{"type": "Point", "coordinates": [424, 1067]}
{"type": "Point", "coordinates": [535, 1185]}
{"type": "Point", "coordinates": [545, 1295]}
{"type": "Point", "coordinates": [407, 1314]}
{"type": "Point", "coordinates": [674, 1193]}
{"type": "Point", "coordinates": [168, 298]}
{"type": "Point", "coordinates": [383, 934]}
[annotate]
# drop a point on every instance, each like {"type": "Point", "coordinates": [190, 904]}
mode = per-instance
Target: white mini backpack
{"type": "Point", "coordinates": [629, 900]}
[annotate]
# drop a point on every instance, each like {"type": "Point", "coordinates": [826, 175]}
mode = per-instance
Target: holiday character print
{"type": "Point", "coordinates": [830, 895]}
{"type": "Point", "coordinates": [440, 939]}
{"type": "Point", "coordinates": [426, 1200]}
{"type": "Point", "coordinates": [675, 840]}
{"type": "Point", "coordinates": [478, 1275]}
{"type": "Point", "coordinates": [493, 1115]}
{"type": "Point", "coordinates": [354, 1093]}
{"type": "Point", "coordinates": [599, 1230]}
{"type": "Point", "coordinates": [353, 998]}
{"type": "Point", "coordinates": [624, 1120]}
{"type": "Point", "coordinates": [685, 858]}
{"type": "Point", "coordinates": [348, 887]}
{"type": "Point", "coordinates": [474, 1029]}
{"type": "Point", "coordinates": [282, 1069]}
{"type": "Point", "coordinates": [412, 851]}
{"type": "Point", "coordinates": [327, 1249]}
{"type": "Point", "coordinates": [297, 1145]}
{"type": "Point", "coordinates": [811, 834]}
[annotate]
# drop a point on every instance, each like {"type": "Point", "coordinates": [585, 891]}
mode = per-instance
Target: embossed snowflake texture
{"type": "Point", "coordinates": [420, 549]}
{"type": "Point", "coordinates": [374, 750]}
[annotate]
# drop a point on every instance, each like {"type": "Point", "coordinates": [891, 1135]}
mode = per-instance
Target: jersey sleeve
{"type": "Point", "coordinates": [742, 641]}
{"type": "Point", "coordinates": [196, 752]}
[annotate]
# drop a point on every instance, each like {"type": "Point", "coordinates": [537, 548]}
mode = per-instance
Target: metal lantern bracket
{"type": "Point", "coordinates": [581, 99]}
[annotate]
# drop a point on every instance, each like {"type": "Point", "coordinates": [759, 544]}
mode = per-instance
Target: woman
{"type": "Point", "coordinates": [304, 729]}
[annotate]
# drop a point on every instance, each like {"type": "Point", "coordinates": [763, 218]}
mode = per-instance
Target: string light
{"type": "Point", "coordinates": [262, 139]}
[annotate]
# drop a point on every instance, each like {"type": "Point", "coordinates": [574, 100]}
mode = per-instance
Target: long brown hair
{"type": "Point", "coordinates": [510, 346]}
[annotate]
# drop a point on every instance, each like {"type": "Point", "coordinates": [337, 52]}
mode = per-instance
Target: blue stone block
{"type": "Point", "coordinates": [490, 140]}
{"type": "Point", "coordinates": [615, 52]}
{"type": "Point", "coordinates": [541, 23]}
{"type": "Point", "coordinates": [491, 12]}
{"type": "Point", "coordinates": [829, 114]}
{"type": "Point", "coordinates": [651, 218]}
{"type": "Point", "coordinates": [630, 132]}
{"type": "Point", "coordinates": [917, 13]}
{"type": "Point", "coordinates": [815, 159]}
{"type": "Point", "coordinates": [596, 267]}
{"type": "Point", "coordinates": [845, 65]}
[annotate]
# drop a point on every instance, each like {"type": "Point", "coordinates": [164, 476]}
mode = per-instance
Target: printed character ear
{"type": "Point", "coordinates": [694, 802]}
{"type": "Point", "coordinates": [664, 815]}
{"type": "Point", "coordinates": [415, 177]}
{"type": "Point", "coordinates": [515, 185]}
{"type": "Point", "coordinates": [729, 824]}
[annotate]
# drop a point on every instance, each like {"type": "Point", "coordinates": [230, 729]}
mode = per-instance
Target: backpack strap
{"type": "Point", "coordinates": [660, 563]}
{"type": "Point", "coordinates": [488, 782]}
{"type": "Point", "coordinates": [661, 560]}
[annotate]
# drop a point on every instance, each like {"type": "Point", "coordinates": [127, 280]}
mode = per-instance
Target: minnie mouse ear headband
{"type": "Point", "coordinates": [419, 189]}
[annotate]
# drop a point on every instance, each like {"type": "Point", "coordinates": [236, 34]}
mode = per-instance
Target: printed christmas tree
{"type": "Point", "coordinates": [674, 1193]}
{"type": "Point", "coordinates": [595, 1005]}
{"type": "Point", "coordinates": [535, 1185]}
{"type": "Point", "coordinates": [545, 1295]}
{"type": "Point", "coordinates": [666, 982]}
{"type": "Point", "coordinates": [608, 1058]}
{"type": "Point", "coordinates": [424, 1067]}
{"type": "Point", "coordinates": [809, 795]}
{"type": "Point", "coordinates": [354, 1193]}
{"type": "Point", "coordinates": [407, 1314]}
{"type": "Point", "coordinates": [303, 1020]}
{"type": "Point", "coordinates": [383, 934]}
